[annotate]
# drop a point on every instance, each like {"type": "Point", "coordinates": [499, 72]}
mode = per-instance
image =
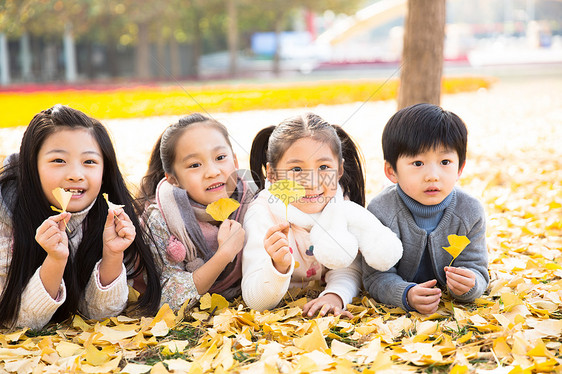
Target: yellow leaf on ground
{"type": "Point", "coordinates": [510, 300]}
{"type": "Point", "coordinates": [131, 368]}
{"type": "Point", "coordinates": [221, 209]}
{"type": "Point", "coordinates": [67, 349]}
{"type": "Point", "coordinates": [540, 350]}
{"type": "Point", "coordinates": [164, 314]}
{"type": "Point", "coordinates": [313, 341]}
{"type": "Point", "coordinates": [94, 356]}
{"type": "Point", "coordinates": [160, 329]}
{"type": "Point", "coordinates": [213, 301]}
{"type": "Point", "coordinates": [159, 368]}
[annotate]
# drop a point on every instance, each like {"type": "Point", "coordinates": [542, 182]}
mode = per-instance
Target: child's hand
{"type": "Point", "coordinates": [52, 237]}
{"type": "Point", "coordinates": [276, 244]}
{"type": "Point", "coordinates": [459, 280]}
{"type": "Point", "coordinates": [119, 232]}
{"type": "Point", "coordinates": [231, 238]}
{"type": "Point", "coordinates": [424, 297]}
{"type": "Point", "coordinates": [328, 303]}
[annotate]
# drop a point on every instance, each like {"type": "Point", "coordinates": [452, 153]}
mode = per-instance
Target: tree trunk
{"type": "Point", "coordinates": [422, 56]}
{"type": "Point", "coordinates": [277, 53]}
{"type": "Point", "coordinates": [175, 63]}
{"type": "Point", "coordinates": [233, 36]}
{"type": "Point", "coordinates": [143, 52]}
{"type": "Point", "coordinates": [197, 45]}
{"type": "Point", "coordinates": [4, 61]}
{"type": "Point", "coordinates": [26, 59]}
{"type": "Point", "coordinates": [71, 73]}
{"type": "Point", "coordinates": [161, 55]}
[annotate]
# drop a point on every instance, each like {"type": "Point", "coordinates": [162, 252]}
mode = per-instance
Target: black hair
{"type": "Point", "coordinates": [271, 143]}
{"type": "Point", "coordinates": [421, 127]}
{"type": "Point", "coordinates": [30, 207]}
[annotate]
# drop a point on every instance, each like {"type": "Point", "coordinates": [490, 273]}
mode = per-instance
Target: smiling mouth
{"type": "Point", "coordinates": [74, 191]}
{"type": "Point", "coordinates": [310, 197]}
{"type": "Point", "coordinates": [215, 186]}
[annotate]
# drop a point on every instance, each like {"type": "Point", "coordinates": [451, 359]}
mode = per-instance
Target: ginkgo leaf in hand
{"type": "Point", "coordinates": [457, 244]}
{"type": "Point", "coordinates": [287, 191]}
{"type": "Point", "coordinates": [110, 204]}
{"type": "Point", "coordinates": [63, 198]}
{"type": "Point", "coordinates": [222, 208]}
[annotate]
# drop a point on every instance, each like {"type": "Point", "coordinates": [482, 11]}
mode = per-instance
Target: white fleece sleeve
{"type": "Point", "coordinates": [101, 302]}
{"type": "Point", "coordinates": [263, 286]}
{"type": "Point", "coordinates": [344, 282]}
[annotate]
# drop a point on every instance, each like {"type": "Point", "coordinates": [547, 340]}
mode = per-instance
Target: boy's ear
{"type": "Point", "coordinates": [270, 173]}
{"type": "Point", "coordinates": [390, 173]}
{"type": "Point", "coordinates": [172, 180]}
{"type": "Point", "coordinates": [461, 169]}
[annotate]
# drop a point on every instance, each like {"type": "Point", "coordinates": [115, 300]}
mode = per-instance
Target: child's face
{"type": "Point", "coordinates": [71, 159]}
{"type": "Point", "coordinates": [428, 177]}
{"type": "Point", "coordinates": [313, 165]}
{"type": "Point", "coordinates": [205, 165]}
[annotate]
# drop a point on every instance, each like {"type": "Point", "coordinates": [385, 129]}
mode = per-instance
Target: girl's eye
{"type": "Point", "coordinates": [221, 157]}
{"type": "Point", "coordinates": [58, 161]}
{"type": "Point", "coordinates": [296, 169]}
{"type": "Point", "coordinates": [417, 163]}
{"type": "Point", "coordinates": [90, 162]}
{"type": "Point", "coordinates": [195, 165]}
{"type": "Point", "coordinates": [445, 162]}
{"type": "Point", "coordinates": [324, 167]}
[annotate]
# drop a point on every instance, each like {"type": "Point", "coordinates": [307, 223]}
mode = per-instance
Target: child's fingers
{"type": "Point", "coordinates": [277, 228]}
{"type": "Point", "coordinates": [429, 283]}
{"type": "Point", "coordinates": [109, 221]}
{"type": "Point", "coordinates": [340, 312]}
{"type": "Point", "coordinates": [276, 240]}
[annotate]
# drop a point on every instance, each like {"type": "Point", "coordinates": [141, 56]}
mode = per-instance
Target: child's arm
{"type": "Point", "coordinates": [107, 292]}
{"type": "Point", "coordinates": [52, 237]}
{"type": "Point", "coordinates": [468, 278]}
{"type": "Point", "coordinates": [231, 242]}
{"type": "Point", "coordinates": [177, 283]}
{"type": "Point", "coordinates": [118, 234]}
{"type": "Point", "coordinates": [386, 287]}
{"type": "Point", "coordinates": [263, 286]}
{"type": "Point", "coordinates": [37, 305]}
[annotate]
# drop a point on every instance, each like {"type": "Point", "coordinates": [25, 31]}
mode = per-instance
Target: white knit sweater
{"type": "Point", "coordinates": [37, 306]}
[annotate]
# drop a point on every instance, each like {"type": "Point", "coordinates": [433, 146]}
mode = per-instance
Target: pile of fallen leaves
{"type": "Point", "coordinates": [516, 327]}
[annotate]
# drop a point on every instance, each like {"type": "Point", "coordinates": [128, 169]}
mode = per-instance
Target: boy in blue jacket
{"type": "Point", "coordinates": [424, 149]}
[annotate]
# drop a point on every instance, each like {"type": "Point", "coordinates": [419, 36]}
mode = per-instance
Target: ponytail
{"type": "Point", "coordinates": [258, 156]}
{"type": "Point", "coordinates": [353, 178]}
{"type": "Point", "coordinates": [153, 176]}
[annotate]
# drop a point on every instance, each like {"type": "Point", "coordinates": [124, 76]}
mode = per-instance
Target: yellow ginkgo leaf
{"type": "Point", "coordinates": [63, 198]}
{"type": "Point", "coordinates": [110, 204]}
{"type": "Point", "coordinates": [222, 208]}
{"type": "Point", "coordinates": [457, 244]}
{"type": "Point", "coordinates": [213, 301]}
{"type": "Point", "coordinates": [287, 191]}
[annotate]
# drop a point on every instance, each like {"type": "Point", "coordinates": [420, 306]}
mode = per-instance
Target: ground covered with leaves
{"type": "Point", "coordinates": [514, 167]}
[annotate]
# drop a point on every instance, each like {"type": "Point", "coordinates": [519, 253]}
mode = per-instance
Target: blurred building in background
{"type": "Point", "coordinates": [100, 40]}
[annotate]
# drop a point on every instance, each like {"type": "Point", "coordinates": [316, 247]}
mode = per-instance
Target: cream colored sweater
{"type": "Point", "coordinates": [37, 306]}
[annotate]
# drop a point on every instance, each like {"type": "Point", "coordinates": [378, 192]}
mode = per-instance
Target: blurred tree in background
{"type": "Point", "coordinates": [141, 39]}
